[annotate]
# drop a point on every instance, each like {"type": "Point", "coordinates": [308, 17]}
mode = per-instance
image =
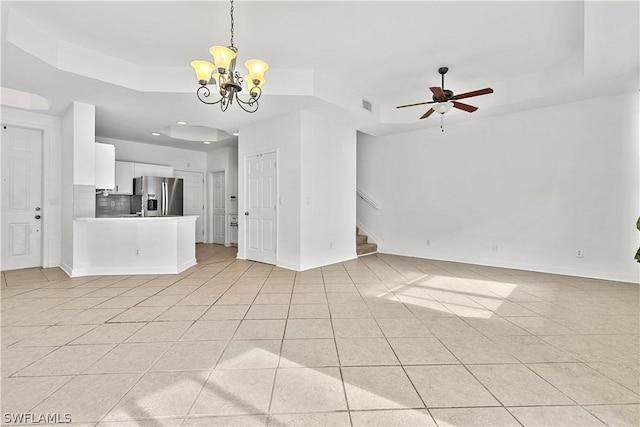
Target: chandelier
{"type": "Point", "coordinates": [222, 74]}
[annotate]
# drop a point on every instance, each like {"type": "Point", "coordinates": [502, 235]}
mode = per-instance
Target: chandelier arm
{"type": "Point", "coordinates": [257, 90]}
{"type": "Point", "coordinates": [250, 106]}
{"type": "Point", "coordinates": [225, 103]}
{"type": "Point", "coordinates": [203, 93]}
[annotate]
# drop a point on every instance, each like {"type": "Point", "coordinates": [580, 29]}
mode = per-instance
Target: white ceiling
{"type": "Point", "coordinates": [131, 59]}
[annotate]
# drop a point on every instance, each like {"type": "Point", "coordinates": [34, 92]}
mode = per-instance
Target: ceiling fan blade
{"type": "Point", "coordinates": [437, 91]}
{"type": "Point", "coordinates": [474, 93]}
{"type": "Point", "coordinates": [413, 105]}
{"type": "Point", "coordinates": [427, 114]}
{"type": "Point", "coordinates": [466, 107]}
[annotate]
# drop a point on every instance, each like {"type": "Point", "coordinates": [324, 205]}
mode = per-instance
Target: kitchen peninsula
{"type": "Point", "coordinates": [133, 245]}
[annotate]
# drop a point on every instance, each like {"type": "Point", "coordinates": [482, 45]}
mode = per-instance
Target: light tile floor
{"type": "Point", "coordinates": [381, 340]}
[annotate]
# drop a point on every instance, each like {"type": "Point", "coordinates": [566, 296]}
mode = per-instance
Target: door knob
{"type": "Point", "coordinates": [246, 213]}
{"type": "Point", "coordinates": [37, 208]}
{"type": "Point", "coordinates": [37, 216]}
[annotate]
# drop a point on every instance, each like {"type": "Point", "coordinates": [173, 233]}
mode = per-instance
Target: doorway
{"type": "Point", "coordinates": [260, 207]}
{"type": "Point", "coordinates": [21, 198]}
{"type": "Point", "coordinates": [193, 198]}
{"type": "Point", "coordinates": [218, 208]}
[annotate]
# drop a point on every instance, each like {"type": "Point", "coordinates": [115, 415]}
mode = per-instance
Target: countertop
{"type": "Point", "coordinates": [142, 218]}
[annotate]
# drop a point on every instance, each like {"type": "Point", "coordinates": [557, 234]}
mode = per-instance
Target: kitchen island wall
{"type": "Point", "coordinates": [114, 246]}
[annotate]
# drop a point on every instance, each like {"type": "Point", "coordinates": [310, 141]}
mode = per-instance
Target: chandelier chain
{"type": "Point", "coordinates": [232, 22]}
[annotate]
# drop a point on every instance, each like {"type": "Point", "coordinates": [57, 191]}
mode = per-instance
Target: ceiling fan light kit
{"type": "Point", "coordinates": [445, 99]}
{"type": "Point", "coordinates": [222, 74]}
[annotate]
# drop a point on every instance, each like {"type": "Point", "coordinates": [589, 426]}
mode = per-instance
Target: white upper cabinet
{"type": "Point", "coordinates": [105, 158]}
{"type": "Point", "coordinates": [143, 169]}
{"type": "Point", "coordinates": [163, 171]}
{"type": "Point", "coordinates": [124, 178]}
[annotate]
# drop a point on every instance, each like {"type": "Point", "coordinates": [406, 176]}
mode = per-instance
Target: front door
{"type": "Point", "coordinates": [21, 198]}
{"type": "Point", "coordinates": [218, 214]}
{"type": "Point", "coordinates": [193, 196]}
{"type": "Point", "coordinates": [260, 207]}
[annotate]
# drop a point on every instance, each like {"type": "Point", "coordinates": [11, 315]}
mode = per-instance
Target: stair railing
{"type": "Point", "coordinates": [368, 199]}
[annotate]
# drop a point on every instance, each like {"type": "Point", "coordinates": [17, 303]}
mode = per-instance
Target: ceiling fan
{"type": "Point", "coordinates": [444, 99]}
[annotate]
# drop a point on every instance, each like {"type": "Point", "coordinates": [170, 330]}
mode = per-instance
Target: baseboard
{"type": "Point", "coordinates": [68, 270]}
{"type": "Point", "coordinates": [128, 271]}
{"type": "Point", "coordinates": [368, 253]}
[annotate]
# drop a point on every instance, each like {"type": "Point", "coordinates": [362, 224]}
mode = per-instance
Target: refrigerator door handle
{"type": "Point", "coordinates": [164, 198]}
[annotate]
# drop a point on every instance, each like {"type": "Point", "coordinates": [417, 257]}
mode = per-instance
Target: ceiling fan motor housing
{"type": "Point", "coordinates": [447, 93]}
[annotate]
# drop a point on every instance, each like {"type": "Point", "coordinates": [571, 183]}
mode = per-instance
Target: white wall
{"type": "Point", "coordinates": [538, 185]}
{"type": "Point", "coordinates": [78, 174]}
{"type": "Point", "coordinates": [182, 159]}
{"type": "Point", "coordinates": [328, 204]}
{"type": "Point", "coordinates": [83, 139]}
{"type": "Point", "coordinates": [51, 128]}
{"type": "Point", "coordinates": [281, 134]}
{"type": "Point", "coordinates": [315, 185]}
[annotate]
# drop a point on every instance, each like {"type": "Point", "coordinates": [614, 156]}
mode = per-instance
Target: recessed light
{"type": "Point", "coordinates": [206, 142]}
{"type": "Point", "coordinates": [181, 122]}
{"type": "Point", "coordinates": [155, 134]}
{"type": "Point", "coordinates": [236, 133]}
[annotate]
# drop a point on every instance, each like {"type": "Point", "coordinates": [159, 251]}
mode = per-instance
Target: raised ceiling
{"type": "Point", "coordinates": [131, 59]}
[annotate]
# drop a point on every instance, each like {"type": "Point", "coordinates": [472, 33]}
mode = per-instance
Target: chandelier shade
{"type": "Point", "coordinates": [203, 70]}
{"type": "Point", "coordinates": [223, 74]}
{"type": "Point", "coordinates": [222, 57]}
{"type": "Point", "coordinates": [256, 68]}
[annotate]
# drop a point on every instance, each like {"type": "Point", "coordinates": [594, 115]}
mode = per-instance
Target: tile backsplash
{"type": "Point", "coordinates": [112, 205]}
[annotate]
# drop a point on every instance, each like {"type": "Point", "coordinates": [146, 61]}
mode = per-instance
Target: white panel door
{"type": "Point", "coordinates": [193, 199]}
{"type": "Point", "coordinates": [218, 214]}
{"type": "Point", "coordinates": [260, 207]}
{"type": "Point", "coordinates": [21, 198]}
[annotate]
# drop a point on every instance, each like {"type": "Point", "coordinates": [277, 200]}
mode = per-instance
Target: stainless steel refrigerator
{"type": "Point", "coordinates": [157, 196]}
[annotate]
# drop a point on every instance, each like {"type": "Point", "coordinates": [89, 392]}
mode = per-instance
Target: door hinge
{"type": "Point", "coordinates": [275, 165]}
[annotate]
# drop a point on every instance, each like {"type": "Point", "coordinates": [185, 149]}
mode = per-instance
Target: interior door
{"type": "Point", "coordinates": [260, 207]}
{"type": "Point", "coordinates": [193, 198]}
{"type": "Point", "coordinates": [218, 214]}
{"type": "Point", "coordinates": [21, 198]}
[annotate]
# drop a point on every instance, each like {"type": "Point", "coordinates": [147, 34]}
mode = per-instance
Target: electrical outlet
{"type": "Point", "coordinates": [138, 252]}
{"type": "Point", "coordinates": [495, 248]}
{"type": "Point", "coordinates": [428, 242]}
{"type": "Point", "coordinates": [579, 253]}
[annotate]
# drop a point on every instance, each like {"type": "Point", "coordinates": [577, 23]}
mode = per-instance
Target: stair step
{"type": "Point", "coordinates": [366, 248]}
{"type": "Point", "coordinates": [361, 238]}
